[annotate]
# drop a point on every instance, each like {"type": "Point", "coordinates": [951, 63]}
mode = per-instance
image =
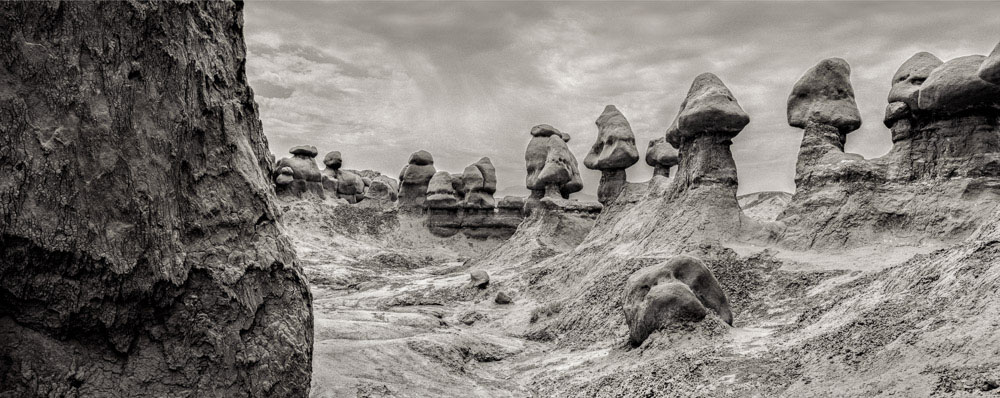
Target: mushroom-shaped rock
{"type": "Point", "coordinates": [413, 179]}
{"type": "Point", "coordinates": [613, 152]}
{"type": "Point", "coordinates": [710, 108]}
{"type": "Point", "coordinates": [552, 168]}
{"type": "Point", "coordinates": [681, 289]}
{"type": "Point", "coordinates": [302, 163]}
{"type": "Point", "coordinates": [990, 69]}
{"type": "Point", "coordinates": [480, 182]}
{"type": "Point", "coordinates": [824, 96]}
{"type": "Point", "coordinates": [910, 76]}
{"type": "Point", "coordinates": [956, 86]}
{"type": "Point", "coordinates": [382, 188]}
{"type": "Point", "coordinates": [440, 193]}
{"type": "Point", "coordinates": [479, 279]}
{"type": "Point", "coordinates": [662, 156]}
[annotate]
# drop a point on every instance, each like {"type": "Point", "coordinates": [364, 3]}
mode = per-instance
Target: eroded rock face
{"type": "Point", "coordinates": [413, 180]}
{"type": "Point", "coordinates": [990, 69]}
{"type": "Point", "coordinates": [662, 156]}
{"type": "Point", "coordinates": [824, 96]}
{"type": "Point", "coordinates": [613, 152]}
{"type": "Point", "coordinates": [955, 86]}
{"type": "Point", "coordinates": [158, 269]}
{"type": "Point", "coordinates": [679, 290]}
{"type": "Point", "coordinates": [552, 169]}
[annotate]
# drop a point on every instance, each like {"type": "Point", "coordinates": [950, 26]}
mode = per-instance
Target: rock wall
{"type": "Point", "coordinates": [139, 249]}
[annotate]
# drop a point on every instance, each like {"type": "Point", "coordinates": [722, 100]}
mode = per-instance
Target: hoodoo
{"type": "Point", "coordinates": [553, 171]}
{"type": "Point", "coordinates": [140, 252]}
{"type": "Point", "coordinates": [613, 152]}
{"type": "Point", "coordinates": [662, 156]}
{"type": "Point", "coordinates": [413, 180]}
{"type": "Point", "coordinates": [306, 177]}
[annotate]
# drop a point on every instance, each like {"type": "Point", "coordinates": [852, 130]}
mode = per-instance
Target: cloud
{"type": "Point", "coordinates": [378, 81]}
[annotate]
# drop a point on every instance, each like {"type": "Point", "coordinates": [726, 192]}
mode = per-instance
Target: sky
{"type": "Point", "coordinates": [378, 81]}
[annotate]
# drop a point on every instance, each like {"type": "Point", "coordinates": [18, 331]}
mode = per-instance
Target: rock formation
{"type": "Point", "coordinates": [662, 156]}
{"type": "Point", "coordinates": [945, 160]}
{"type": "Point", "coordinates": [708, 120]}
{"type": "Point", "coordinates": [613, 152]}
{"type": "Point", "coordinates": [140, 253]}
{"type": "Point", "coordinates": [822, 103]}
{"type": "Point", "coordinates": [339, 183]}
{"type": "Point", "coordinates": [413, 180]}
{"type": "Point", "coordinates": [307, 181]}
{"type": "Point", "coordinates": [444, 216]}
{"type": "Point", "coordinates": [681, 289]}
{"type": "Point", "coordinates": [990, 69]}
{"type": "Point", "coordinates": [552, 169]}
{"type": "Point", "coordinates": [479, 182]}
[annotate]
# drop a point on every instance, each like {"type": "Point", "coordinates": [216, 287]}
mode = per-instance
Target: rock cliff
{"type": "Point", "coordinates": [140, 249]}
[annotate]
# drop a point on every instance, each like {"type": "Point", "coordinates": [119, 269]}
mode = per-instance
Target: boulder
{"type": "Point", "coordinates": [681, 289]}
{"type": "Point", "coordinates": [552, 168]}
{"type": "Point", "coordinates": [710, 108]}
{"type": "Point", "coordinates": [990, 69]}
{"type": "Point", "coordinates": [413, 180]}
{"type": "Point", "coordinates": [333, 160]}
{"type": "Point", "coordinates": [910, 76]}
{"type": "Point", "coordinates": [502, 299]}
{"type": "Point", "coordinates": [285, 176]}
{"type": "Point", "coordinates": [662, 156]}
{"type": "Point", "coordinates": [350, 186]}
{"type": "Point", "coordinates": [145, 257]}
{"type": "Point", "coordinates": [824, 96]}
{"type": "Point", "coordinates": [955, 86]}
{"type": "Point", "coordinates": [308, 151]}
{"type": "Point", "coordinates": [613, 152]}
{"type": "Point", "coordinates": [479, 279]}
{"type": "Point", "coordinates": [382, 188]}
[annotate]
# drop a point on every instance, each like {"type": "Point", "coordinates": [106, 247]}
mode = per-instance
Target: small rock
{"type": "Point", "coordinates": [479, 279]}
{"type": "Point", "coordinates": [502, 298]}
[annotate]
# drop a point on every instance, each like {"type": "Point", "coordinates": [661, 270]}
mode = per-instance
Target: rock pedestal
{"type": "Point", "coordinates": [613, 152]}
{"type": "Point", "coordinates": [413, 180]}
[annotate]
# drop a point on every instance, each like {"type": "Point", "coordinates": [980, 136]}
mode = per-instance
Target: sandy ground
{"type": "Point", "coordinates": [396, 317]}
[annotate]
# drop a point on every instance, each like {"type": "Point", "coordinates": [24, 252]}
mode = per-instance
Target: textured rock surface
{"type": "Point", "coordinates": [939, 182]}
{"type": "Point", "coordinates": [910, 76]}
{"type": "Point", "coordinates": [140, 253]}
{"type": "Point", "coordinates": [710, 108]}
{"type": "Point", "coordinates": [307, 180]}
{"type": "Point", "coordinates": [479, 181]}
{"type": "Point", "coordinates": [824, 96]}
{"type": "Point", "coordinates": [413, 180]}
{"type": "Point", "coordinates": [552, 168]}
{"type": "Point", "coordinates": [956, 86]}
{"type": "Point", "coordinates": [662, 156]}
{"type": "Point", "coordinates": [613, 152]}
{"type": "Point", "coordinates": [681, 289]}
{"type": "Point", "coordinates": [382, 189]}
{"type": "Point", "coordinates": [990, 69]}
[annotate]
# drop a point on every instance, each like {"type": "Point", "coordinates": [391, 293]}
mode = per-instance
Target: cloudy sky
{"type": "Point", "coordinates": [380, 80]}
